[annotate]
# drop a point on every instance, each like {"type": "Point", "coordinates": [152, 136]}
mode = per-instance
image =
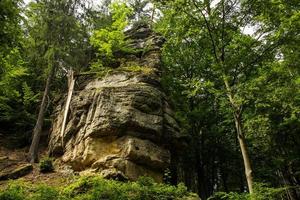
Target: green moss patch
{"type": "Point", "coordinates": [136, 68]}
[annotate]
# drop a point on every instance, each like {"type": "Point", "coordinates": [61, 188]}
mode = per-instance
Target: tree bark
{"type": "Point", "coordinates": [241, 137]}
{"type": "Point", "coordinates": [245, 154]}
{"type": "Point", "coordinates": [33, 151]}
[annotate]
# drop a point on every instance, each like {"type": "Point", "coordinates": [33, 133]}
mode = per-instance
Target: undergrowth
{"type": "Point", "coordinates": [95, 188]}
{"type": "Point", "coordinates": [261, 192]}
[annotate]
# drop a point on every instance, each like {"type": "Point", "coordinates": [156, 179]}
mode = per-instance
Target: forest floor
{"type": "Point", "coordinates": [13, 155]}
{"type": "Point", "coordinates": [64, 183]}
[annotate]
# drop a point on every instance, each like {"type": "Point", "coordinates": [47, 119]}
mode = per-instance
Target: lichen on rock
{"type": "Point", "coordinates": [121, 124]}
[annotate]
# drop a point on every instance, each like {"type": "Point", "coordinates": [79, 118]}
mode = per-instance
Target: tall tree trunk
{"type": "Point", "coordinates": [241, 137]}
{"type": "Point", "coordinates": [33, 151]}
{"type": "Point", "coordinates": [245, 154]}
{"type": "Point", "coordinates": [220, 60]}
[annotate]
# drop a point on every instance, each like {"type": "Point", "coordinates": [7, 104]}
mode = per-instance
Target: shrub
{"type": "Point", "coordinates": [145, 181]}
{"type": "Point", "coordinates": [46, 165]}
{"type": "Point", "coordinates": [261, 192]}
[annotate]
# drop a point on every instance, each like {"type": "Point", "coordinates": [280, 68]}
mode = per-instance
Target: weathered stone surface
{"type": "Point", "coordinates": [113, 173]}
{"type": "Point", "coordinates": [3, 158]}
{"type": "Point", "coordinates": [15, 172]}
{"type": "Point", "coordinates": [120, 125]}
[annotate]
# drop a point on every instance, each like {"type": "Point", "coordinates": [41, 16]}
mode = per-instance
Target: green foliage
{"type": "Point", "coordinates": [206, 43]}
{"type": "Point", "coordinates": [145, 188]}
{"type": "Point", "coordinates": [56, 28]}
{"type": "Point", "coordinates": [98, 67]}
{"type": "Point", "coordinates": [15, 191]}
{"type": "Point", "coordinates": [29, 98]}
{"type": "Point", "coordinates": [46, 165]}
{"type": "Point", "coordinates": [12, 70]}
{"type": "Point", "coordinates": [102, 71]}
{"type": "Point", "coordinates": [44, 192]}
{"type": "Point", "coordinates": [112, 38]}
{"type": "Point", "coordinates": [17, 100]}
{"type": "Point", "coordinates": [262, 192]}
{"type": "Point", "coordinates": [94, 188]}
{"type": "Point", "coordinates": [20, 190]}
{"type": "Point", "coordinates": [10, 29]}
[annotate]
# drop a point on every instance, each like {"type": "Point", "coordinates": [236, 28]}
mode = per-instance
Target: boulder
{"type": "Point", "coordinates": [16, 171]}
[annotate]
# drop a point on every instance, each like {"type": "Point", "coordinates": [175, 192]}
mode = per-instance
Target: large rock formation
{"type": "Point", "coordinates": [120, 124]}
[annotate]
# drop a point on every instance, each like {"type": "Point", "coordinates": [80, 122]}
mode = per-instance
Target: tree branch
{"type": "Point", "coordinates": [209, 31]}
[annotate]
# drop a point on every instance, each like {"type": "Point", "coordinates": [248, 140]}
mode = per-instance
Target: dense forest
{"type": "Point", "coordinates": [230, 68]}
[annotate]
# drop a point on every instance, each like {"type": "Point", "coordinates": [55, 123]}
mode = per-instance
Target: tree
{"type": "Point", "coordinates": [13, 69]}
{"type": "Point", "coordinates": [58, 40]}
{"type": "Point", "coordinates": [232, 58]}
{"type": "Point", "coordinates": [111, 39]}
{"type": "Point", "coordinates": [10, 30]}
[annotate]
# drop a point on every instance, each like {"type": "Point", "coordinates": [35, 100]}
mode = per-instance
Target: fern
{"type": "Point", "coordinates": [28, 95]}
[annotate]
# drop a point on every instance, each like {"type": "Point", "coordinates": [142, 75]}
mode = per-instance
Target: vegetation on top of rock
{"type": "Point", "coordinates": [94, 188]}
{"type": "Point", "coordinates": [136, 68]}
{"type": "Point", "coordinates": [111, 39]}
{"type": "Point", "coordinates": [102, 72]}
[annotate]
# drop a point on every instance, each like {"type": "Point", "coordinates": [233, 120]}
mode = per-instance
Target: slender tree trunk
{"type": "Point", "coordinates": [71, 83]}
{"type": "Point", "coordinates": [236, 108]}
{"type": "Point", "coordinates": [245, 154]}
{"type": "Point", "coordinates": [241, 137]}
{"type": "Point", "coordinates": [33, 151]}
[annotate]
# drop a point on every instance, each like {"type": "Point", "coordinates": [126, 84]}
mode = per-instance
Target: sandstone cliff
{"type": "Point", "coordinates": [120, 124]}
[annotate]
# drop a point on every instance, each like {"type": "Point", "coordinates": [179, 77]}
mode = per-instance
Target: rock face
{"type": "Point", "coordinates": [121, 124]}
